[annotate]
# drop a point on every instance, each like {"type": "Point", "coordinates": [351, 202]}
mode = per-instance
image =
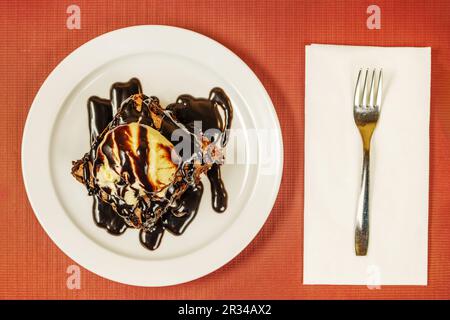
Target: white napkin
{"type": "Point", "coordinates": [398, 241]}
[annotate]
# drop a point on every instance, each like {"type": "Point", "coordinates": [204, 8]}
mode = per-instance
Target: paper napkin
{"type": "Point", "coordinates": [398, 242]}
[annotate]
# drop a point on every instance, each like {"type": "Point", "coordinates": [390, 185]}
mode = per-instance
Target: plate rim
{"type": "Point", "coordinates": [115, 274]}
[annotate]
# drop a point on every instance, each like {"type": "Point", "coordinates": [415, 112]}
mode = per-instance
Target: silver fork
{"type": "Point", "coordinates": [366, 111]}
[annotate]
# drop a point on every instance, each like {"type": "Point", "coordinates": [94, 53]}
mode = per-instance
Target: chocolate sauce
{"type": "Point", "coordinates": [151, 239]}
{"type": "Point", "coordinates": [219, 195]}
{"type": "Point", "coordinates": [188, 110]}
{"type": "Point", "coordinates": [120, 91]}
{"type": "Point", "coordinates": [105, 217]}
{"type": "Point", "coordinates": [100, 114]}
{"type": "Point", "coordinates": [214, 113]}
{"type": "Point", "coordinates": [180, 217]}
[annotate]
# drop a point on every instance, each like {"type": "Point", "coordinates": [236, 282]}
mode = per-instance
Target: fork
{"type": "Point", "coordinates": [366, 111]}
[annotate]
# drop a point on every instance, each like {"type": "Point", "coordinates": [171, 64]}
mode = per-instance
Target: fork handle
{"type": "Point", "coordinates": [362, 213]}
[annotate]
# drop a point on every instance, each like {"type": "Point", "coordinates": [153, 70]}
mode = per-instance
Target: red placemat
{"type": "Point", "coordinates": [270, 37]}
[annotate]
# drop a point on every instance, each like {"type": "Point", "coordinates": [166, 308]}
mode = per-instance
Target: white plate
{"type": "Point", "coordinates": [169, 61]}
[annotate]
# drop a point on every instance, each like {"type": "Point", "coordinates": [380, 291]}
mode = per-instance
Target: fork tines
{"type": "Point", "coordinates": [369, 96]}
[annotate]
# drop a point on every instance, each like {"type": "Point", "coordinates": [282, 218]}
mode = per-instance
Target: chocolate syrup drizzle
{"type": "Point", "coordinates": [186, 110]}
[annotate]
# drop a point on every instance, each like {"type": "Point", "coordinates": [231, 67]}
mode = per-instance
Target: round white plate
{"type": "Point", "coordinates": [169, 61]}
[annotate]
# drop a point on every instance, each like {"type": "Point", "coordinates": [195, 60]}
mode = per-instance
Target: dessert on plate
{"type": "Point", "coordinates": [145, 163]}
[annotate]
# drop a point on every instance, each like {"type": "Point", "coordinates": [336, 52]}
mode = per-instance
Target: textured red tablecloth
{"type": "Point", "coordinates": [270, 37]}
